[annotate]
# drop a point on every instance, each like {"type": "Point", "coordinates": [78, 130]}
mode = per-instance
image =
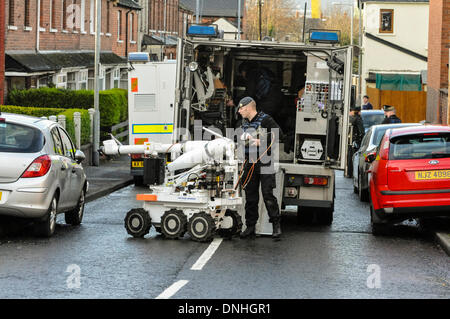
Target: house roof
{"type": "Point", "coordinates": [216, 8]}
{"type": "Point", "coordinates": [159, 40]}
{"type": "Point", "coordinates": [129, 4]}
{"type": "Point", "coordinates": [55, 61]}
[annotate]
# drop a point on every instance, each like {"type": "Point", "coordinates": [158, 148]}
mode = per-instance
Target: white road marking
{"type": "Point", "coordinates": [207, 254]}
{"type": "Point", "coordinates": [172, 290]}
{"type": "Point", "coordinates": [199, 264]}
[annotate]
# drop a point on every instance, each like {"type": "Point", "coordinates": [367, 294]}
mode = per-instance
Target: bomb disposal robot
{"type": "Point", "coordinates": [200, 200]}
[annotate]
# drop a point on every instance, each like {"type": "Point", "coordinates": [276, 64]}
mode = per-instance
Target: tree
{"type": "Point", "coordinates": [279, 19]}
{"type": "Point", "coordinates": [338, 18]}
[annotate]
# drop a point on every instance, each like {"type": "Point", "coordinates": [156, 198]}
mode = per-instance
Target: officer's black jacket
{"type": "Point", "coordinates": [265, 135]}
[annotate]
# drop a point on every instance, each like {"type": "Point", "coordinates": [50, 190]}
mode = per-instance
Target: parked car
{"type": "Point", "coordinates": [410, 175]}
{"type": "Point", "coordinates": [40, 172]}
{"type": "Point", "coordinates": [371, 117]}
{"type": "Point", "coordinates": [369, 144]}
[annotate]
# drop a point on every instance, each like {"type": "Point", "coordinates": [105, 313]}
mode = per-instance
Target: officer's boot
{"type": "Point", "coordinates": [276, 230]}
{"type": "Point", "coordinates": [249, 232]}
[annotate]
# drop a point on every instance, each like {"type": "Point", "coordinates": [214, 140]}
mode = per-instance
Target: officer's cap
{"type": "Point", "coordinates": [388, 108]}
{"type": "Point", "coordinates": [245, 101]}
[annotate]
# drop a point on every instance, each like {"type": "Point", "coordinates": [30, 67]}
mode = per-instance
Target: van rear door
{"type": "Point", "coordinates": [339, 103]}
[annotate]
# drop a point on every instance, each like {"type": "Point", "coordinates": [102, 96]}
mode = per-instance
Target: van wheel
{"type": "Point", "coordinates": [46, 227]}
{"type": "Point", "coordinates": [75, 216]}
{"type": "Point", "coordinates": [362, 193]}
{"type": "Point", "coordinates": [325, 216]}
{"type": "Point", "coordinates": [138, 180]}
{"type": "Point", "coordinates": [305, 215]}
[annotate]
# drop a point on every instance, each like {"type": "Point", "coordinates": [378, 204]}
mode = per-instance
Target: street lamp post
{"type": "Point", "coordinates": [96, 133]}
{"type": "Point", "coordinates": [259, 15]}
{"type": "Point", "coordinates": [239, 20]}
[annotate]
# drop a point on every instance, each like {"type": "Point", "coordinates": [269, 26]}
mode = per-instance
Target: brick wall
{"type": "Point", "coordinates": [445, 43]}
{"type": "Point", "coordinates": [156, 16]}
{"type": "Point", "coordinates": [74, 34]}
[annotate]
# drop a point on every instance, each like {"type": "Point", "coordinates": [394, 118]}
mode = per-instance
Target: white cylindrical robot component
{"type": "Point", "coordinates": [192, 145]}
{"type": "Point", "coordinates": [110, 147]}
{"type": "Point", "coordinates": [201, 153]}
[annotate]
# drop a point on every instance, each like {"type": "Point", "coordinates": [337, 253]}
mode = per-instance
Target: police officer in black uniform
{"type": "Point", "coordinates": [259, 129]}
{"type": "Point", "coordinates": [390, 117]}
{"type": "Point", "coordinates": [357, 136]}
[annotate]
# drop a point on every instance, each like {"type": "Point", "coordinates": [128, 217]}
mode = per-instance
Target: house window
{"type": "Point", "coordinates": [108, 16]}
{"type": "Point", "coordinates": [75, 14]}
{"type": "Point", "coordinates": [53, 14]}
{"type": "Point", "coordinates": [119, 25]}
{"type": "Point", "coordinates": [27, 22]}
{"type": "Point", "coordinates": [41, 14]}
{"type": "Point", "coordinates": [386, 21]}
{"type": "Point", "coordinates": [71, 81]}
{"type": "Point", "coordinates": [82, 80]}
{"type": "Point", "coordinates": [101, 78]}
{"type": "Point", "coordinates": [61, 80]}
{"type": "Point", "coordinates": [64, 14]}
{"type": "Point", "coordinates": [82, 16]}
{"type": "Point", "coordinates": [44, 81]}
{"type": "Point", "coordinates": [11, 12]}
{"type": "Point", "coordinates": [92, 15]}
{"type": "Point", "coordinates": [116, 78]}
{"type": "Point", "coordinates": [131, 28]}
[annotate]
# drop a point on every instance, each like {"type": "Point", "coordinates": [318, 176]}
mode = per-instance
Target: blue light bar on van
{"type": "Point", "coordinates": [138, 57]}
{"type": "Point", "coordinates": [196, 30]}
{"type": "Point", "coordinates": [324, 36]}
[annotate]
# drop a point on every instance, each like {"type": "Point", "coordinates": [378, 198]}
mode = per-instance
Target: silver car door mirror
{"type": "Point", "coordinates": [79, 156]}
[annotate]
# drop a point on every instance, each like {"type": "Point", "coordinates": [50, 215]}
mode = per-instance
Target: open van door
{"type": "Point", "coordinates": [185, 51]}
{"type": "Point", "coordinates": [340, 99]}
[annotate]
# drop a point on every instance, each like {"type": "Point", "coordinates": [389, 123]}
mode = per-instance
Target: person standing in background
{"type": "Point", "coordinates": [367, 105]}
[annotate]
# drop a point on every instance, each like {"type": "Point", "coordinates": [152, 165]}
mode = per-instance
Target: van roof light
{"type": "Point", "coordinates": [138, 57]}
{"type": "Point", "coordinates": [324, 36]}
{"type": "Point", "coordinates": [198, 30]}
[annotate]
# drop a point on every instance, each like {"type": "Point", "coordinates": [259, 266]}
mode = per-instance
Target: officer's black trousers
{"type": "Point", "coordinates": [267, 182]}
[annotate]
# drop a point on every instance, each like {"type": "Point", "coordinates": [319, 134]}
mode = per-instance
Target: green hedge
{"type": "Point", "coordinates": [113, 104]}
{"type": "Point", "coordinates": [39, 112]}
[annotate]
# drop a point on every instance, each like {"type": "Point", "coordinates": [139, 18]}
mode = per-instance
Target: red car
{"type": "Point", "coordinates": [410, 175]}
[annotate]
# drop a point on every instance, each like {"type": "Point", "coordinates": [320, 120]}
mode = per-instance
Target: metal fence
{"type": "Point", "coordinates": [61, 119]}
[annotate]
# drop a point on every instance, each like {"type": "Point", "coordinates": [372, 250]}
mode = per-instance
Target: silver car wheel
{"type": "Point", "coordinates": [52, 217]}
{"type": "Point", "coordinates": [81, 204]}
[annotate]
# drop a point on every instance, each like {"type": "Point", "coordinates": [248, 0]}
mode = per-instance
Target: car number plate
{"type": "Point", "coordinates": [438, 174]}
{"type": "Point", "coordinates": [137, 164]}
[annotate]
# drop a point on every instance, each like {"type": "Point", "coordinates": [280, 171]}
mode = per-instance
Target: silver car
{"type": "Point", "coordinates": [40, 172]}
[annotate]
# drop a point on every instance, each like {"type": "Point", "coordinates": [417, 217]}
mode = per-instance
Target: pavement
{"type": "Point", "coordinates": [114, 173]}
{"type": "Point", "coordinates": [110, 175]}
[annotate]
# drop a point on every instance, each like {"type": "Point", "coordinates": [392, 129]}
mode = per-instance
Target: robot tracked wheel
{"type": "Point", "coordinates": [138, 222]}
{"type": "Point", "coordinates": [201, 227]}
{"type": "Point", "coordinates": [173, 224]}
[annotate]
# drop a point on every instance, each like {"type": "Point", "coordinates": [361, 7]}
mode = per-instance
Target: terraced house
{"type": "Point", "coordinates": [52, 43]}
